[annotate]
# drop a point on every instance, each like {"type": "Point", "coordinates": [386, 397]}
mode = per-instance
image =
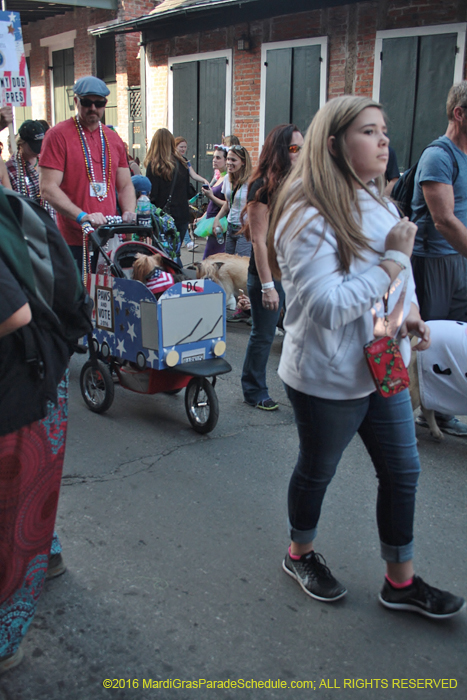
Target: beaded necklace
{"type": "Point", "coordinates": [23, 186]}
{"type": "Point", "coordinates": [88, 159]}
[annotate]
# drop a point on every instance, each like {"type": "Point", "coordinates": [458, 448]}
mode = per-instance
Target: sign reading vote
{"type": "Point", "coordinates": [104, 306]}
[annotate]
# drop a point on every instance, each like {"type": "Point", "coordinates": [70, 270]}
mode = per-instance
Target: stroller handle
{"type": "Point", "coordinates": [102, 234]}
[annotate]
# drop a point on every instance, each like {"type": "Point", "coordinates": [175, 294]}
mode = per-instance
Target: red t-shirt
{"type": "Point", "coordinates": [62, 150]}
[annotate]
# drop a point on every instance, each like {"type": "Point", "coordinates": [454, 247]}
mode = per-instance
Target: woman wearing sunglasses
{"type": "Point", "coordinates": [235, 189]}
{"type": "Point", "coordinates": [280, 151]}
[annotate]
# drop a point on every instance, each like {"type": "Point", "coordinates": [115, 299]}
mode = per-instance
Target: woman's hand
{"type": "Point", "coordinates": [270, 299]}
{"type": "Point", "coordinates": [401, 237]}
{"type": "Point", "coordinates": [413, 325]}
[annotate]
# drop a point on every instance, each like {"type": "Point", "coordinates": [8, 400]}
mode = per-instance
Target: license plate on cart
{"type": "Point", "coordinates": [196, 356]}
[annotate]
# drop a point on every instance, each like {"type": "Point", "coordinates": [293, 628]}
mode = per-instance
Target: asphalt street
{"type": "Point", "coordinates": [174, 543]}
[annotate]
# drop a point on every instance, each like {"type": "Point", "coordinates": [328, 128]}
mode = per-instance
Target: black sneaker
{"type": "Point", "coordinates": [312, 574]}
{"type": "Point", "coordinates": [267, 405]}
{"type": "Point", "coordinates": [421, 598]}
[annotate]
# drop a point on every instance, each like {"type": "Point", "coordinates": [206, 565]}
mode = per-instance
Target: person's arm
{"type": "Point", "coordinates": [126, 195]}
{"type": "Point", "coordinates": [20, 318]}
{"type": "Point", "coordinates": [49, 183]}
{"type": "Point", "coordinates": [195, 175]}
{"type": "Point", "coordinates": [209, 194]}
{"type": "Point", "coordinates": [330, 298]}
{"type": "Point", "coordinates": [6, 116]}
{"type": "Point", "coordinates": [258, 221]}
{"type": "Point", "coordinates": [223, 211]}
{"type": "Point", "coordinates": [4, 178]}
{"type": "Point", "coordinates": [439, 198]}
{"type": "Point", "coordinates": [414, 325]}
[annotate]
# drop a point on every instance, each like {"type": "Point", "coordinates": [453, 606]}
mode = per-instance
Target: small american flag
{"type": "Point", "coordinates": [159, 280]}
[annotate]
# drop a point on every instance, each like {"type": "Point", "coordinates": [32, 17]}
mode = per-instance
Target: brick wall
{"type": "Point", "coordinates": [126, 54]}
{"type": "Point", "coordinates": [351, 31]}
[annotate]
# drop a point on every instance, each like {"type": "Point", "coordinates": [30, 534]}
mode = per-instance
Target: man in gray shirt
{"type": "Point", "coordinates": [440, 251]}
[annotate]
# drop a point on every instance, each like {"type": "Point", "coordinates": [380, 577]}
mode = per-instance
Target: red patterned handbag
{"type": "Point", "coordinates": [386, 366]}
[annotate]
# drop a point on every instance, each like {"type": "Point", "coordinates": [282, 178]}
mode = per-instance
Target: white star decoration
{"type": "Point", "coordinates": [152, 357]}
{"type": "Point", "coordinates": [119, 296]}
{"type": "Point", "coordinates": [121, 347]}
{"type": "Point", "coordinates": [12, 17]}
{"type": "Point", "coordinates": [131, 331]}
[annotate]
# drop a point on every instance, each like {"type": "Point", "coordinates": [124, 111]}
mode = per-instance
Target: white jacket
{"type": "Point", "coordinates": [330, 315]}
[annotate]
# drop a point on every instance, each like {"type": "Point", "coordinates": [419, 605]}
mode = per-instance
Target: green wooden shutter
{"type": "Point", "coordinates": [437, 55]}
{"type": "Point", "coordinates": [64, 77]}
{"type": "Point", "coordinates": [212, 87]}
{"type": "Point", "coordinates": [416, 74]}
{"type": "Point", "coordinates": [306, 85]}
{"type": "Point", "coordinates": [397, 93]}
{"type": "Point", "coordinates": [185, 104]}
{"type": "Point", "coordinates": [278, 88]}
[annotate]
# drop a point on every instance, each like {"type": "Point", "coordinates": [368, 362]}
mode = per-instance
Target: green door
{"type": "Point", "coordinates": [416, 74]}
{"type": "Point", "coordinates": [199, 94]}
{"type": "Point", "coordinates": [211, 112]}
{"type": "Point", "coordinates": [63, 68]}
{"type": "Point", "coordinates": [293, 78]}
{"type": "Point", "coordinates": [106, 70]}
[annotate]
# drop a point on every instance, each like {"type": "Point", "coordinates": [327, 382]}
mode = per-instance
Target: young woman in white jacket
{"type": "Point", "coordinates": [341, 249]}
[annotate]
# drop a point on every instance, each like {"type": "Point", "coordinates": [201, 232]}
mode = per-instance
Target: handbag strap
{"type": "Point", "coordinates": [172, 186]}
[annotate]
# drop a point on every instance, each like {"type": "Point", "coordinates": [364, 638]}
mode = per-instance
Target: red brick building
{"type": "Point", "coordinates": [60, 49]}
{"type": "Point", "coordinates": [242, 66]}
{"type": "Point", "coordinates": [208, 67]}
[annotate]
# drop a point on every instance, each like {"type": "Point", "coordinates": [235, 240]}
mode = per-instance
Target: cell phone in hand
{"type": "Point", "coordinates": [205, 187]}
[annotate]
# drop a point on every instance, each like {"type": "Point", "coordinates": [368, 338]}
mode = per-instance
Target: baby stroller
{"type": "Point", "coordinates": [151, 345]}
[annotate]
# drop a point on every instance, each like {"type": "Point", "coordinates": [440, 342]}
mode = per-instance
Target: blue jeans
{"type": "Point", "coordinates": [325, 428]}
{"type": "Point", "coordinates": [235, 244]}
{"type": "Point", "coordinates": [259, 346]}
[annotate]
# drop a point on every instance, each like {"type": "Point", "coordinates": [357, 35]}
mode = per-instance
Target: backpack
{"type": "Point", "coordinates": [37, 255]}
{"type": "Point", "coordinates": [166, 231]}
{"type": "Point", "coordinates": [402, 192]}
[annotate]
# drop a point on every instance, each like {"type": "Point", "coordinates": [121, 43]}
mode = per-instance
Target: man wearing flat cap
{"type": "Point", "coordinates": [82, 165]}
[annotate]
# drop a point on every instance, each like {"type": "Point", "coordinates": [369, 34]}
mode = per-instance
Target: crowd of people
{"type": "Point", "coordinates": [325, 242]}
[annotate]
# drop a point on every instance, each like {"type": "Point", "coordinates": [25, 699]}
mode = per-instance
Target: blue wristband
{"type": "Point", "coordinates": [81, 216]}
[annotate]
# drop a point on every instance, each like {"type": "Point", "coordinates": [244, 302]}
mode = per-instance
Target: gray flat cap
{"type": "Point", "coordinates": [89, 85]}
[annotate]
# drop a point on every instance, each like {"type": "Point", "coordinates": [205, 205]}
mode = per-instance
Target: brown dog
{"type": "Point", "coordinates": [145, 264]}
{"type": "Point", "coordinates": [229, 271]}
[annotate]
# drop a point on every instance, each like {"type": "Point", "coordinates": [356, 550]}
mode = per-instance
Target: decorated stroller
{"type": "Point", "coordinates": [151, 345]}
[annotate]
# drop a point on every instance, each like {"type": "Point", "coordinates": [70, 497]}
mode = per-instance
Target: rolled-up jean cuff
{"type": "Point", "coordinates": [302, 536]}
{"type": "Point", "coordinates": [397, 555]}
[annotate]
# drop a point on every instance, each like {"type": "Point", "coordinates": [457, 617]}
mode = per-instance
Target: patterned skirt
{"type": "Point", "coordinates": [31, 461]}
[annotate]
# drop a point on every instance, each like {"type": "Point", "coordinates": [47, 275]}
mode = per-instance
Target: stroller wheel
{"type": "Point", "coordinates": [97, 386]}
{"type": "Point", "coordinates": [201, 404]}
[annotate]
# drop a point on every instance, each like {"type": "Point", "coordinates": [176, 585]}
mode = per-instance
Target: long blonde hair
{"type": "Point", "coordinates": [327, 182]}
{"type": "Point", "coordinates": [162, 154]}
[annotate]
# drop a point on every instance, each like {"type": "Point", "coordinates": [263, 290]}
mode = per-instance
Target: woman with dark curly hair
{"type": "Point", "coordinates": [281, 149]}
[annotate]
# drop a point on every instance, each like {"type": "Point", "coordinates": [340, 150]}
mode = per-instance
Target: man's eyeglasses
{"type": "Point", "coordinates": [88, 103]}
{"type": "Point", "coordinates": [294, 148]}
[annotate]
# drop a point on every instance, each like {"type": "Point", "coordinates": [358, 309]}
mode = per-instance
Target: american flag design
{"type": "Point", "coordinates": [14, 79]}
{"type": "Point", "coordinates": [159, 280]}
